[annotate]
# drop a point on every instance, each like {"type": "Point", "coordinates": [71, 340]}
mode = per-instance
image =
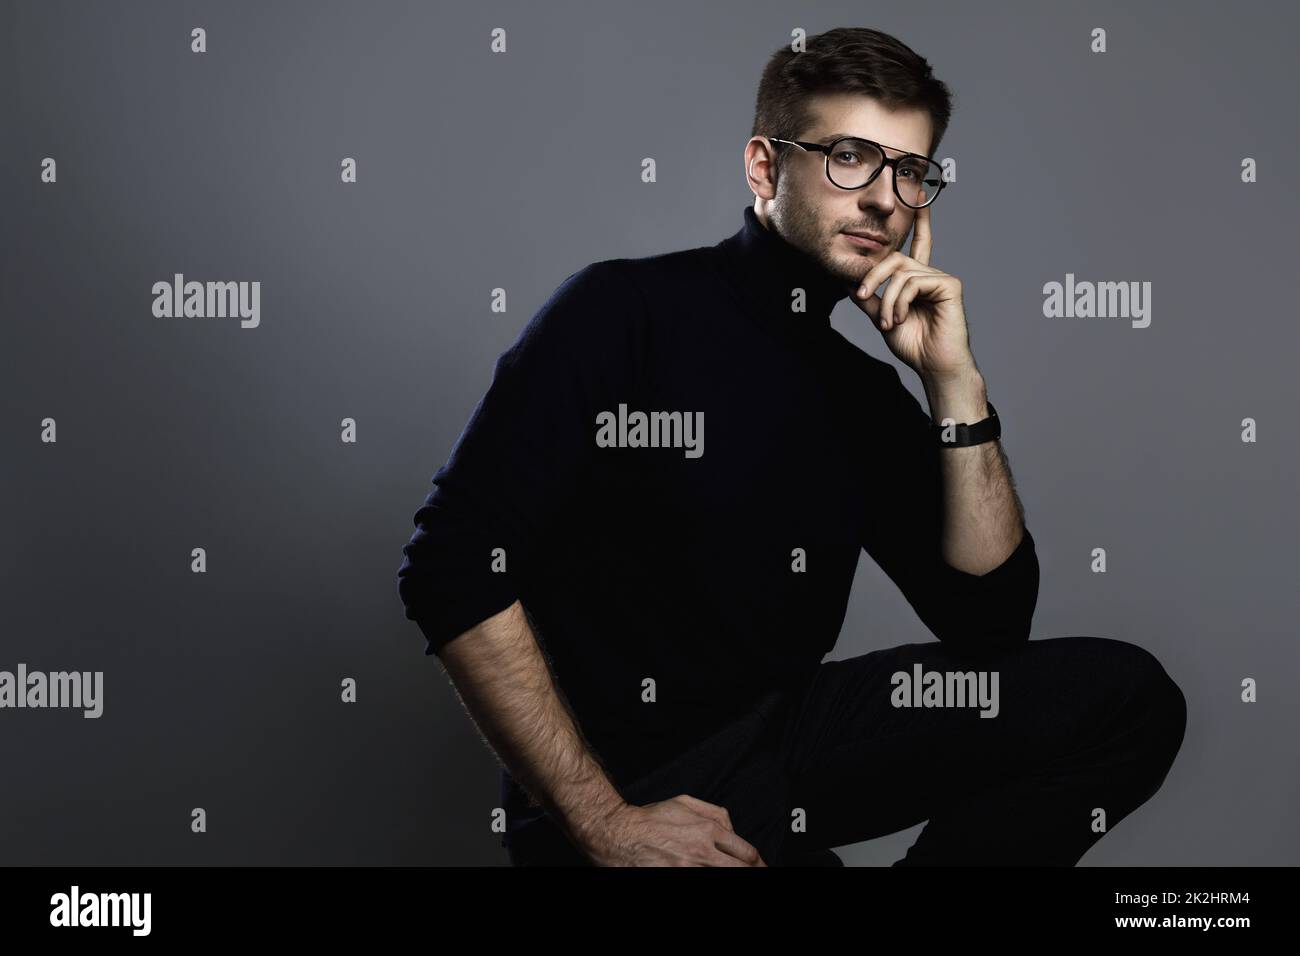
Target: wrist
{"type": "Point", "coordinates": [961, 396]}
{"type": "Point", "coordinates": [590, 825]}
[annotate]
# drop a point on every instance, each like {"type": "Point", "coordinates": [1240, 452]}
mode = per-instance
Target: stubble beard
{"type": "Point", "coordinates": [799, 225]}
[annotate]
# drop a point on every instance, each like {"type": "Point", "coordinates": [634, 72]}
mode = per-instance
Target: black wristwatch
{"type": "Point", "coordinates": [963, 435]}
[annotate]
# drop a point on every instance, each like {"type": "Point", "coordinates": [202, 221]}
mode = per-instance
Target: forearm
{"type": "Point", "coordinates": [504, 682]}
{"type": "Point", "coordinates": [983, 517]}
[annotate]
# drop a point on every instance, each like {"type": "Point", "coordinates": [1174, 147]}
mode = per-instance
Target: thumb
{"type": "Point", "coordinates": [869, 304]}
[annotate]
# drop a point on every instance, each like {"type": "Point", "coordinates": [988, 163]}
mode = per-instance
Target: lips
{"type": "Point", "coordinates": [874, 237]}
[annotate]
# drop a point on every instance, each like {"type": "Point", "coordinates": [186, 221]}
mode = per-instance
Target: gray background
{"type": "Point", "coordinates": [222, 690]}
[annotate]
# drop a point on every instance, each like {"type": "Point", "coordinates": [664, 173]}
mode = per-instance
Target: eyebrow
{"type": "Point", "coordinates": [832, 137]}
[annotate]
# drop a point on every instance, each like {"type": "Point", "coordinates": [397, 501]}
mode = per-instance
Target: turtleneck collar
{"type": "Point", "coordinates": [766, 270]}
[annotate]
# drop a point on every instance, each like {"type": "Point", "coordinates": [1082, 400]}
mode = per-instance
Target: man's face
{"type": "Point", "coordinates": [813, 214]}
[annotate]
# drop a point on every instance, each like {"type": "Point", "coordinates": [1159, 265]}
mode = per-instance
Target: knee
{"type": "Point", "coordinates": [1173, 712]}
{"type": "Point", "coordinates": [1154, 698]}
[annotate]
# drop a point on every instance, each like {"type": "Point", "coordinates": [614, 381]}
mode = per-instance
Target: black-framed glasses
{"type": "Point", "coordinates": [853, 162]}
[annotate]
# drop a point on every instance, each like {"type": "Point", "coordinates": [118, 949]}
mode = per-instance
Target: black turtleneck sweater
{"type": "Point", "coordinates": [718, 577]}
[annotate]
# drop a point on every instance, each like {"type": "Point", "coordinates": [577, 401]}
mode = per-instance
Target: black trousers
{"type": "Point", "coordinates": [1085, 732]}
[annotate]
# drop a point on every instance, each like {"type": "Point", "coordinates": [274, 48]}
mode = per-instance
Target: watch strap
{"type": "Point", "coordinates": [964, 435]}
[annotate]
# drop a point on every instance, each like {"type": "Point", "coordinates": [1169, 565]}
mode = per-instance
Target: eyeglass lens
{"type": "Point", "coordinates": [854, 161]}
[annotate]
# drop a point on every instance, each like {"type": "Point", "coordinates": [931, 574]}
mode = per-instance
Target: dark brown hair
{"type": "Point", "coordinates": [847, 60]}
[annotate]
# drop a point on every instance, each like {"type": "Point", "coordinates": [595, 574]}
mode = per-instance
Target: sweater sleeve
{"type": "Point", "coordinates": [526, 452]}
{"type": "Point", "coordinates": [974, 613]}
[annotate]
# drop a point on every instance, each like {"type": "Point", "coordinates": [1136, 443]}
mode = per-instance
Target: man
{"type": "Point", "coordinates": [636, 618]}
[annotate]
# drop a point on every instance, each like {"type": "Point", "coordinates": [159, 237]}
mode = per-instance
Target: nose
{"type": "Point", "coordinates": [879, 193]}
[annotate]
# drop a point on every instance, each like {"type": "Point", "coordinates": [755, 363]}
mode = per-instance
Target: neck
{"type": "Point", "coordinates": [774, 271]}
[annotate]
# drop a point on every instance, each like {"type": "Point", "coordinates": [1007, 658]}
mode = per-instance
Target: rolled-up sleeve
{"type": "Point", "coordinates": [975, 613]}
{"type": "Point", "coordinates": [526, 452]}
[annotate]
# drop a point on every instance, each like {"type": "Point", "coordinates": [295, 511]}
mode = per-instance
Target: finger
{"type": "Point", "coordinates": [890, 313]}
{"type": "Point", "coordinates": [904, 304]}
{"type": "Point", "coordinates": [869, 304]}
{"type": "Point", "coordinates": [895, 309]}
{"type": "Point", "coordinates": [733, 845]}
{"type": "Point", "coordinates": [881, 271]}
{"type": "Point", "coordinates": [710, 810]}
{"type": "Point", "coordinates": [922, 236]}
